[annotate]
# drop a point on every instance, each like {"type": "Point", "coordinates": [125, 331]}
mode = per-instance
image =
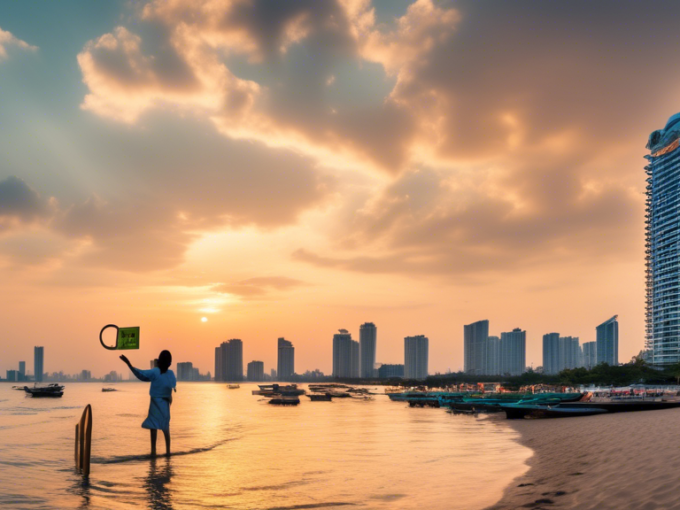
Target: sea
{"type": "Point", "coordinates": [233, 450]}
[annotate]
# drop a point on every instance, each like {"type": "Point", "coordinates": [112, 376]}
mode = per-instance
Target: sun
{"type": "Point", "coordinates": [204, 319]}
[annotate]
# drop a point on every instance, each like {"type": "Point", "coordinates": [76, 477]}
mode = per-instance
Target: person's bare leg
{"type": "Point", "coordinates": [166, 433]}
{"type": "Point", "coordinates": [154, 436]}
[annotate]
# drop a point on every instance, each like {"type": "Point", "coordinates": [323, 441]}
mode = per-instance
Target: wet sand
{"type": "Point", "coordinates": [622, 461]}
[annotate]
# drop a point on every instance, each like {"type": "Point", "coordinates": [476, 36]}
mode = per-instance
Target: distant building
{"type": "Point", "coordinates": [229, 361]}
{"type": "Point", "coordinates": [12, 375]}
{"type": "Point", "coordinates": [589, 355]}
{"type": "Point", "coordinates": [416, 352]}
{"type": "Point", "coordinates": [390, 371]}
{"type": "Point", "coordinates": [38, 359]}
{"type": "Point", "coordinates": [21, 376]}
{"type": "Point", "coordinates": [368, 338]}
{"type": "Point", "coordinates": [342, 354]}
{"type": "Point", "coordinates": [551, 353]}
{"type": "Point", "coordinates": [286, 359]}
{"type": "Point", "coordinates": [256, 371]}
{"type": "Point", "coordinates": [492, 363]}
{"type": "Point", "coordinates": [662, 243]}
{"type": "Point", "coordinates": [355, 360]}
{"type": "Point", "coordinates": [185, 371]}
{"type": "Point", "coordinates": [607, 335]}
{"type": "Point", "coordinates": [513, 352]}
{"type": "Point", "coordinates": [272, 374]}
{"type": "Point", "coordinates": [475, 347]}
{"type": "Point", "coordinates": [85, 375]}
{"type": "Point", "coordinates": [110, 377]}
{"type": "Point", "coordinates": [153, 364]}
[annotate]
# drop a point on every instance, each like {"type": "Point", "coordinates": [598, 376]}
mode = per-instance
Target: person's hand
{"type": "Point", "coordinates": [125, 360]}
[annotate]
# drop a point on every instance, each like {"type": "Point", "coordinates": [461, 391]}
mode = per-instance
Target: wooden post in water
{"type": "Point", "coordinates": [84, 442]}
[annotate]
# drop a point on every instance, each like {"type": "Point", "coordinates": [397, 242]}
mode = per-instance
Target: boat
{"type": "Point", "coordinates": [51, 390]}
{"type": "Point", "coordinates": [105, 390]}
{"type": "Point", "coordinates": [285, 401]}
{"type": "Point", "coordinates": [233, 386]}
{"type": "Point", "coordinates": [326, 397]}
{"type": "Point", "coordinates": [495, 403]}
{"type": "Point", "coordinates": [523, 410]}
{"type": "Point", "coordinates": [269, 390]}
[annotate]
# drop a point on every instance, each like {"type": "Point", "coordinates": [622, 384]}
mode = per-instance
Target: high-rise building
{"type": "Point", "coordinates": [551, 353]}
{"type": "Point", "coordinates": [342, 354]}
{"type": "Point", "coordinates": [368, 337]}
{"type": "Point", "coordinates": [229, 361]}
{"type": "Point", "coordinates": [12, 375]}
{"type": "Point", "coordinates": [662, 242]}
{"type": "Point", "coordinates": [354, 360]}
{"type": "Point", "coordinates": [494, 353]}
{"type": "Point", "coordinates": [256, 371]}
{"type": "Point", "coordinates": [607, 335]}
{"type": "Point", "coordinates": [272, 374]}
{"type": "Point", "coordinates": [513, 349]}
{"type": "Point", "coordinates": [589, 355]}
{"type": "Point", "coordinates": [416, 352]}
{"type": "Point", "coordinates": [85, 375]}
{"type": "Point", "coordinates": [390, 371]}
{"type": "Point", "coordinates": [475, 347]}
{"type": "Point", "coordinates": [38, 359]}
{"type": "Point", "coordinates": [185, 371]}
{"type": "Point", "coordinates": [569, 353]}
{"type": "Point", "coordinates": [22, 371]}
{"type": "Point", "coordinates": [286, 360]}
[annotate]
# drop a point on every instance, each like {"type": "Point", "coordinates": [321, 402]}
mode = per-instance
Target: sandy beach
{"type": "Point", "coordinates": [623, 461]}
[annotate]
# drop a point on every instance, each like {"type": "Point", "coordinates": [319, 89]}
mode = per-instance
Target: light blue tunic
{"type": "Point", "coordinates": [161, 396]}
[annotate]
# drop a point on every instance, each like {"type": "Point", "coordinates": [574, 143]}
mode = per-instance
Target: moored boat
{"type": "Point", "coordinates": [326, 397]}
{"type": "Point", "coordinates": [285, 401]}
{"type": "Point", "coordinates": [53, 390]}
{"type": "Point", "coordinates": [523, 410]}
{"type": "Point", "coordinates": [233, 386]}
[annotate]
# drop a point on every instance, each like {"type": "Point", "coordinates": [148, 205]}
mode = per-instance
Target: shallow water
{"type": "Point", "coordinates": [233, 450]}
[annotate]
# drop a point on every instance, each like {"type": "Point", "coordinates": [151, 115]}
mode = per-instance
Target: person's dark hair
{"type": "Point", "coordinates": [164, 361]}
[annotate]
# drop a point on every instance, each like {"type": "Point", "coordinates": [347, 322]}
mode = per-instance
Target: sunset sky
{"type": "Point", "coordinates": [289, 168]}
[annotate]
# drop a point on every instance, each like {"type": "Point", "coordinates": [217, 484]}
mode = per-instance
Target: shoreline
{"type": "Point", "coordinates": [629, 460]}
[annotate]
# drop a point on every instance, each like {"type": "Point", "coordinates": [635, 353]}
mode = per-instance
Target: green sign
{"type": "Point", "coordinates": [128, 338]}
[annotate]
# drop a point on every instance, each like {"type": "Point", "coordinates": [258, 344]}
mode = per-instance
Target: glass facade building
{"type": "Point", "coordinates": [662, 244]}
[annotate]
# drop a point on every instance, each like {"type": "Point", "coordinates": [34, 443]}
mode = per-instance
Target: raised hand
{"type": "Point", "coordinates": [125, 360]}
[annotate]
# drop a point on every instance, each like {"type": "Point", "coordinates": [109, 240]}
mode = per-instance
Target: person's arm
{"type": "Point", "coordinates": [142, 375]}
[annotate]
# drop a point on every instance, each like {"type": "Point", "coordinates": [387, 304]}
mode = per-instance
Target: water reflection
{"type": "Point", "coordinates": [81, 488]}
{"type": "Point", "coordinates": [156, 484]}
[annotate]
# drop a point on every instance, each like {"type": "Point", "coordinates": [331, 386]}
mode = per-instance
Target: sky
{"type": "Point", "coordinates": [290, 168]}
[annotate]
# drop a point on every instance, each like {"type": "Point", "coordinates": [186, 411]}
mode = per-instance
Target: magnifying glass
{"type": "Point", "coordinates": [126, 338]}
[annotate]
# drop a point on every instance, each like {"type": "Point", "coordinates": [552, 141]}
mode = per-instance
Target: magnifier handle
{"type": "Point", "coordinates": [101, 340]}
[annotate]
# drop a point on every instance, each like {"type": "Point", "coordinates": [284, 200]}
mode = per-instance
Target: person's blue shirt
{"type": "Point", "coordinates": [161, 384]}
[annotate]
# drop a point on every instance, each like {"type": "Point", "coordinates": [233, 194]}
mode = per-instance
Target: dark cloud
{"type": "Point", "coordinates": [20, 201]}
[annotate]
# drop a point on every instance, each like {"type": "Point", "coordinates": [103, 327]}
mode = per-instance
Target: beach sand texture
{"type": "Point", "coordinates": [622, 461]}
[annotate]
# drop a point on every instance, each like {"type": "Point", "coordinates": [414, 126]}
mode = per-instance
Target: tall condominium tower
{"type": "Point", "coordinates": [22, 370]}
{"type": "Point", "coordinates": [354, 360]}
{"type": "Point", "coordinates": [416, 352]}
{"type": "Point", "coordinates": [608, 342]}
{"type": "Point", "coordinates": [589, 355]}
{"type": "Point", "coordinates": [256, 371]}
{"type": "Point", "coordinates": [475, 347]}
{"type": "Point", "coordinates": [513, 352]}
{"type": "Point", "coordinates": [229, 361]}
{"type": "Point", "coordinates": [342, 354]}
{"type": "Point", "coordinates": [551, 353]}
{"type": "Point", "coordinates": [662, 220]}
{"type": "Point", "coordinates": [286, 361]}
{"type": "Point", "coordinates": [494, 352]}
{"type": "Point", "coordinates": [38, 359]}
{"type": "Point", "coordinates": [368, 341]}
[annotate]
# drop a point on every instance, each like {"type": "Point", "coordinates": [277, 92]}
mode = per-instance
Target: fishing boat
{"type": "Point", "coordinates": [523, 410]}
{"type": "Point", "coordinates": [270, 390]}
{"type": "Point", "coordinates": [53, 390]}
{"type": "Point", "coordinates": [233, 386]}
{"type": "Point", "coordinates": [285, 401]}
{"type": "Point", "coordinates": [497, 403]}
{"type": "Point", "coordinates": [106, 390]}
{"type": "Point", "coordinates": [326, 397]}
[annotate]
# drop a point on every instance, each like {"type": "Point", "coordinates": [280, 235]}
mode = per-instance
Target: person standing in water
{"type": "Point", "coordinates": [163, 382]}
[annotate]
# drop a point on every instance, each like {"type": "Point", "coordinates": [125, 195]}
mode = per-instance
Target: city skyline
{"type": "Point", "coordinates": [300, 178]}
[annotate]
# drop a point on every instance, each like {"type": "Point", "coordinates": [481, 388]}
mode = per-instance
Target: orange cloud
{"type": "Point", "coordinates": [7, 40]}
